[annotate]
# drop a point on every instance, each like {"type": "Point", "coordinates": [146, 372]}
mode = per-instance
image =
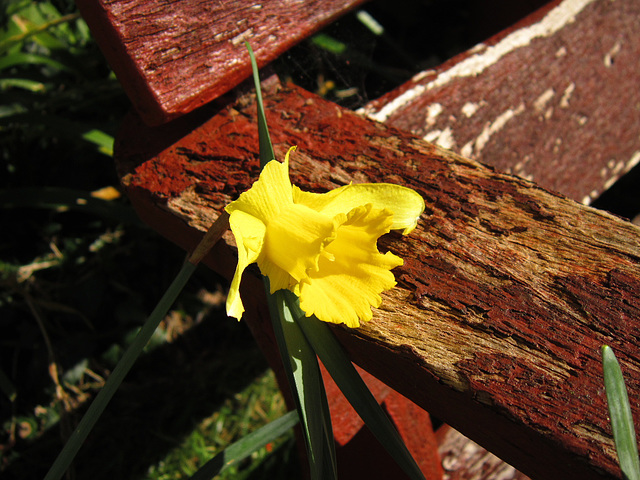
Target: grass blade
{"type": "Point", "coordinates": [23, 83]}
{"type": "Point", "coordinates": [30, 59]}
{"type": "Point", "coordinates": [102, 140]}
{"type": "Point", "coordinates": [246, 446]}
{"type": "Point", "coordinates": [266, 148]}
{"type": "Point", "coordinates": [621, 417]}
{"type": "Point", "coordinates": [101, 401]}
{"type": "Point", "coordinates": [353, 387]}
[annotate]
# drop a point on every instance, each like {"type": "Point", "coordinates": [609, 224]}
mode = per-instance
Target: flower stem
{"type": "Point", "coordinates": [210, 238]}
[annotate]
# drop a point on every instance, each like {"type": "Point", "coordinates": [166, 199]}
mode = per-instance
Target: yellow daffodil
{"type": "Point", "coordinates": [322, 247]}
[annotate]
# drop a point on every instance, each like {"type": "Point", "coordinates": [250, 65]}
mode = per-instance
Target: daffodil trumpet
{"type": "Point", "coordinates": [321, 247]}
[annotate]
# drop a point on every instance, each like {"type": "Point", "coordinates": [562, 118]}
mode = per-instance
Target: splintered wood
{"type": "Point", "coordinates": [506, 295]}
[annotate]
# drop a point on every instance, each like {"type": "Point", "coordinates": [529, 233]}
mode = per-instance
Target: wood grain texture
{"type": "Point", "coordinates": [505, 297]}
{"type": "Point", "coordinates": [554, 99]}
{"type": "Point", "coordinates": [173, 56]}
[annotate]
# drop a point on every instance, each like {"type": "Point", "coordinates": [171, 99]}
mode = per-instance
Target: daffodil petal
{"type": "Point", "coordinates": [405, 204]}
{"type": "Point", "coordinates": [278, 278]}
{"type": "Point", "coordinates": [269, 194]}
{"type": "Point", "coordinates": [249, 233]}
{"type": "Point", "coordinates": [296, 237]}
{"type": "Point", "coordinates": [344, 288]}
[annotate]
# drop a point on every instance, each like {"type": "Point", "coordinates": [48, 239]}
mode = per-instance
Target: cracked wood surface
{"type": "Point", "coordinates": [554, 99]}
{"type": "Point", "coordinates": [174, 56]}
{"type": "Point", "coordinates": [506, 295]}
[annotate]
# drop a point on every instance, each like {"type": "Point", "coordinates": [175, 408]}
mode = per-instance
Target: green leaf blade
{"type": "Point", "coordinates": [246, 446]}
{"type": "Point", "coordinates": [621, 416]}
{"type": "Point", "coordinates": [97, 407]}
{"type": "Point", "coordinates": [305, 379]}
{"type": "Point", "coordinates": [299, 360]}
{"type": "Point", "coordinates": [266, 148]}
{"type": "Point", "coordinates": [353, 387]}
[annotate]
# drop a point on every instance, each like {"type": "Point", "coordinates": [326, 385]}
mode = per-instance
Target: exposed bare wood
{"type": "Point", "coordinates": [554, 99]}
{"type": "Point", "coordinates": [174, 56]}
{"type": "Point", "coordinates": [505, 297]}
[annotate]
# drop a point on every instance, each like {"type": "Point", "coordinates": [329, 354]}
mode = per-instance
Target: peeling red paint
{"type": "Point", "coordinates": [504, 260]}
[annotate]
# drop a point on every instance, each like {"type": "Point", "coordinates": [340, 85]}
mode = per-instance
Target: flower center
{"type": "Point", "coordinates": [297, 236]}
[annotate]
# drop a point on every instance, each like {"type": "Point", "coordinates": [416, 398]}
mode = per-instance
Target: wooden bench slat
{"type": "Point", "coordinates": [506, 295]}
{"type": "Point", "coordinates": [174, 56]}
{"type": "Point", "coordinates": [554, 99]}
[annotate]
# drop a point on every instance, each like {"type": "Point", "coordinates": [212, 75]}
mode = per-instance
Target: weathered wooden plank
{"type": "Point", "coordinates": [554, 99]}
{"type": "Point", "coordinates": [174, 56]}
{"type": "Point", "coordinates": [505, 297]}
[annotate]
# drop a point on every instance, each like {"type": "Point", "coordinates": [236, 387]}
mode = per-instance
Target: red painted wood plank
{"type": "Point", "coordinates": [505, 297]}
{"type": "Point", "coordinates": [174, 56]}
{"type": "Point", "coordinates": [554, 99]}
{"type": "Point", "coordinates": [360, 454]}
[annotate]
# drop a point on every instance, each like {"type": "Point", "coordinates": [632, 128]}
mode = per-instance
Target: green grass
{"type": "Point", "coordinates": [257, 404]}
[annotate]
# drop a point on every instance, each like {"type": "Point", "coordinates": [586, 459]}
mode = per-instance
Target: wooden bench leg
{"type": "Point", "coordinates": [359, 453]}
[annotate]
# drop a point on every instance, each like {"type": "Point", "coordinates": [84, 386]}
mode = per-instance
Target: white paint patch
{"type": "Point", "coordinates": [633, 161]}
{"type": "Point", "coordinates": [589, 198]}
{"type": "Point", "coordinates": [541, 102]}
{"type": "Point", "coordinates": [238, 39]}
{"type": "Point", "coordinates": [556, 144]}
{"type": "Point", "coordinates": [561, 52]}
{"type": "Point", "coordinates": [562, 15]}
{"type": "Point", "coordinates": [419, 76]}
{"type": "Point", "coordinates": [469, 108]}
{"type": "Point", "coordinates": [608, 58]}
{"type": "Point", "coordinates": [609, 183]}
{"type": "Point", "coordinates": [519, 167]}
{"type": "Point", "coordinates": [433, 111]}
{"type": "Point", "coordinates": [475, 147]}
{"type": "Point", "coordinates": [619, 168]}
{"type": "Point", "coordinates": [467, 149]}
{"type": "Point", "coordinates": [443, 138]}
{"type": "Point", "coordinates": [432, 136]}
{"type": "Point", "coordinates": [564, 101]}
{"type": "Point", "coordinates": [478, 48]}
